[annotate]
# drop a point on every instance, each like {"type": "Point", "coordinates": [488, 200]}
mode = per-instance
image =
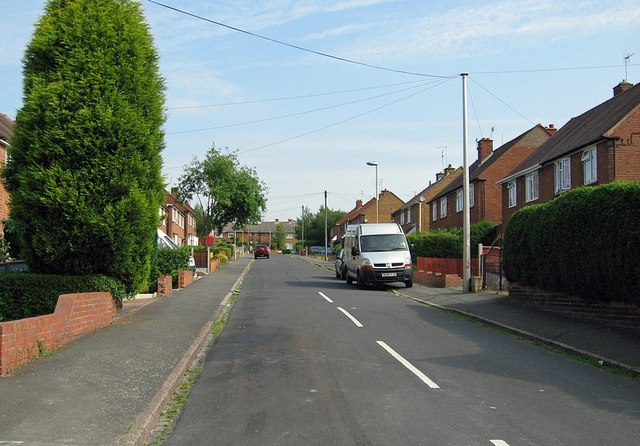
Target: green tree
{"type": "Point", "coordinates": [85, 165]}
{"type": "Point", "coordinates": [314, 226]}
{"type": "Point", "coordinates": [278, 239]}
{"type": "Point", "coordinates": [225, 191]}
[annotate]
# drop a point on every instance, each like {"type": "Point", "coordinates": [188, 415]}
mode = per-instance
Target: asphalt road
{"type": "Point", "coordinates": [307, 360]}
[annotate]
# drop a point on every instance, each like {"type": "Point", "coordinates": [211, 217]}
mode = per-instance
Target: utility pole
{"type": "Point", "coordinates": [326, 247]}
{"type": "Point", "coordinates": [302, 229]}
{"type": "Point", "coordinates": [466, 247]}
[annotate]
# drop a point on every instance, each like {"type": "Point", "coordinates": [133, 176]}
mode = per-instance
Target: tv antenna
{"type": "Point", "coordinates": [443, 155]}
{"type": "Point", "coordinates": [626, 64]}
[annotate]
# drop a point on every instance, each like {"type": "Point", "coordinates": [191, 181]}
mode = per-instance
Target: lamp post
{"type": "Point", "coordinates": [375, 163]}
{"type": "Point", "coordinates": [420, 201]}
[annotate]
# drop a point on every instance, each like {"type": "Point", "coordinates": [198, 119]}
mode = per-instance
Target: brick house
{"type": "Point", "coordinates": [485, 194]}
{"type": "Point", "coordinates": [599, 146]}
{"type": "Point", "coordinates": [6, 133]}
{"type": "Point", "coordinates": [388, 202]}
{"type": "Point", "coordinates": [261, 233]}
{"type": "Point", "coordinates": [178, 220]}
{"type": "Point", "coordinates": [415, 214]}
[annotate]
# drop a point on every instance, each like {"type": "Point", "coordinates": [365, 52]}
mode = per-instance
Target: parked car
{"type": "Point", "coordinates": [164, 241]}
{"type": "Point", "coordinates": [261, 251]}
{"type": "Point", "coordinates": [340, 266]}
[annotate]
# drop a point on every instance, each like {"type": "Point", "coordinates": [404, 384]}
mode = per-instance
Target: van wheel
{"type": "Point", "coordinates": [361, 284]}
{"type": "Point", "coordinates": [409, 283]}
{"type": "Point", "coordinates": [349, 279]}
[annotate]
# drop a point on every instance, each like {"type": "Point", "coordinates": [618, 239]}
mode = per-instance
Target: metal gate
{"type": "Point", "coordinates": [491, 261]}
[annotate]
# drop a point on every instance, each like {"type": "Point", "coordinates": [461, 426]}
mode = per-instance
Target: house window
{"type": "Point", "coordinates": [562, 175]}
{"type": "Point", "coordinates": [531, 186]}
{"type": "Point", "coordinates": [459, 200]}
{"type": "Point", "coordinates": [177, 218]}
{"type": "Point", "coordinates": [409, 215]}
{"type": "Point", "coordinates": [472, 193]}
{"type": "Point", "coordinates": [511, 193]}
{"type": "Point", "coordinates": [401, 217]}
{"type": "Point", "coordinates": [590, 165]}
{"type": "Point", "coordinates": [443, 207]}
{"type": "Point", "coordinates": [434, 211]}
{"type": "Point", "coordinates": [290, 235]}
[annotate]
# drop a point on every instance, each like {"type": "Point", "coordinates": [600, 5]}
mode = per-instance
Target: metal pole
{"type": "Point", "coordinates": [466, 247]}
{"type": "Point", "coordinates": [377, 198]}
{"type": "Point", "coordinates": [326, 247]}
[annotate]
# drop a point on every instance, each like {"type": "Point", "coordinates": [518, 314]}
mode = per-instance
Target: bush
{"type": "Point", "coordinates": [584, 243]}
{"type": "Point", "coordinates": [24, 294]}
{"type": "Point", "coordinates": [170, 261]}
{"type": "Point", "coordinates": [448, 243]}
{"type": "Point", "coordinates": [224, 248]}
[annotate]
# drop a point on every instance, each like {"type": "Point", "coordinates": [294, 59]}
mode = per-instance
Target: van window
{"type": "Point", "coordinates": [383, 242]}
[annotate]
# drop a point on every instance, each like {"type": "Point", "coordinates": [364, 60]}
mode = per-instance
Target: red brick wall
{"type": "Point", "coordinates": [75, 314]}
{"type": "Point", "coordinates": [4, 194]}
{"type": "Point", "coordinates": [185, 278]}
{"type": "Point", "coordinates": [614, 314]}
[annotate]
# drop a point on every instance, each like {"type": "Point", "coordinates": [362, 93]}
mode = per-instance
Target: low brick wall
{"type": "Point", "coordinates": [614, 314]}
{"type": "Point", "coordinates": [165, 285]}
{"type": "Point", "coordinates": [185, 278]}
{"type": "Point", "coordinates": [436, 279]}
{"type": "Point", "coordinates": [75, 314]}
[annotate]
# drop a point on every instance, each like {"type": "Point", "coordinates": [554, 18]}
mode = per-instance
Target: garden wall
{"type": "Point", "coordinates": [75, 314]}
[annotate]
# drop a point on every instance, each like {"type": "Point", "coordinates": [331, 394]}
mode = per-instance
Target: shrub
{"type": "Point", "coordinates": [170, 261]}
{"type": "Point", "coordinates": [584, 243]}
{"type": "Point", "coordinates": [448, 243]}
{"type": "Point", "coordinates": [24, 294]}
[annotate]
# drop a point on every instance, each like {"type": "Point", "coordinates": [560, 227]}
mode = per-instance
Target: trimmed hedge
{"type": "Point", "coordinates": [447, 243]}
{"type": "Point", "coordinates": [24, 294]}
{"type": "Point", "coordinates": [585, 243]}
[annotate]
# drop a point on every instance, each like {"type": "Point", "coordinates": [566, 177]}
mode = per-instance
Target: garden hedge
{"type": "Point", "coordinates": [24, 294]}
{"type": "Point", "coordinates": [447, 243]}
{"type": "Point", "coordinates": [585, 243]}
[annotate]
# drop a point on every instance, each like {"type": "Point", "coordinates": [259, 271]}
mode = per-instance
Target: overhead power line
{"type": "Point", "coordinates": [289, 98]}
{"type": "Point", "coordinates": [297, 47]}
{"type": "Point", "coordinates": [290, 115]}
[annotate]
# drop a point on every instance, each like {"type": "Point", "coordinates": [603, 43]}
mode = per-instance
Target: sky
{"type": "Point", "coordinates": [306, 92]}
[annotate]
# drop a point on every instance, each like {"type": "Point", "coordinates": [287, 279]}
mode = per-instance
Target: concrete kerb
{"type": "Point", "coordinates": [144, 424]}
{"type": "Point", "coordinates": [528, 335]}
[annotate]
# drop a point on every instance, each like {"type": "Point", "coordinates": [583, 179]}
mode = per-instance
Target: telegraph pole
{"type": "Point", "coordinates": [325, 227]}
{"type": "Point", "coordinates": [466, 247]}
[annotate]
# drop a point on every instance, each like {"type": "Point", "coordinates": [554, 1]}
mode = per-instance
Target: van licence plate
{"type": "Point", "coordinates": [388, 274]}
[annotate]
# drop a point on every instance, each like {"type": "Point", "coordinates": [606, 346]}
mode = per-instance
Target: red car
{"type": "Point", "coordinates": [261, 251]}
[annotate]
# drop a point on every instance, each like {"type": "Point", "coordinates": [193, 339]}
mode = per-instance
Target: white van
{"type": "Point", "coordinates": [377, 253]}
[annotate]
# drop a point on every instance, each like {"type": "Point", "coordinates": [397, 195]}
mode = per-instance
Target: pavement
{"type": "Point", "coordinates": [110, 387]}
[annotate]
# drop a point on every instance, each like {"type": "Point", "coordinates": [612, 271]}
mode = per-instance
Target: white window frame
{"type": "Point", "coordinates": [459, 200]}
{"type": "Point", "coordinates": [531, 186]}
{"type": "Point", "coordinates": [472, 194]}
{"type": "Point", "coordinates": [434, 211]}
{"type": "Point", "coordinates": [562, 175]}
{"type": "Point", "coordinates": [512, 199]}
{"type": "Point", "coordinates": [443, 207]}
{"type": "Point", "coordinates": [590, 165]}
{"type": "Point", "coordinates": [401, 217]}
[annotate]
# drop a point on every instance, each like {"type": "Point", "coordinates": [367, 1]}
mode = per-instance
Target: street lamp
{"type": "Point", "coordinates": [420, 201]}
{"type": "Point", "coordinates": [375, 163]}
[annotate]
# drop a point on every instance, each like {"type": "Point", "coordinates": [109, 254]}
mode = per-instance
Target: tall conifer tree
{"type": "Point", "coordinates": [85, 162]}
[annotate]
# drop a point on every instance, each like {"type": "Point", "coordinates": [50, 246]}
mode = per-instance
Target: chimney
{"type": "Point", "coordinates": [621, 87]}
{"type": "Point", "coordinates": [485, 148]}
{"type": "Point", "coordinates": [277, 221]}
{"type": "Point", "coordinates": [551, 129]}
{"type": "Point", "coordinates": [174, 192]}
{"type": "Point", "coordinates": [358, 204]}
{"type": "Point", "coordinates": [448, 170]}
{"type": "Point", "coordinates": [439, 176]}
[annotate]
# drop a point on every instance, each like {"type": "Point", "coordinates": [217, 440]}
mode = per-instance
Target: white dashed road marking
{"type": "Point", "coordinates": [408, 365]}
{"type": "Point", "coordinates": [325, 297]}
{"type": "Point", "coordinates": [353, 319]}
